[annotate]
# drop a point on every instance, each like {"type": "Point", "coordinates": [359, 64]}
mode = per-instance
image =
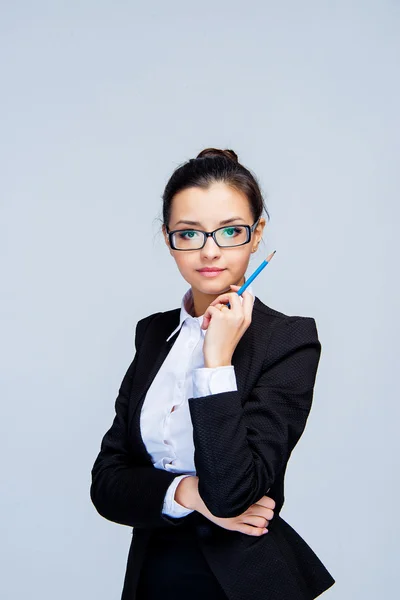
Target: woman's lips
{"type": "Point", "coordinates": [211, 273]}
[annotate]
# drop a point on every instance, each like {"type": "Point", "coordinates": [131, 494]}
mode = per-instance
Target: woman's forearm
{"type": "Point", "coordinates": [187, 494]}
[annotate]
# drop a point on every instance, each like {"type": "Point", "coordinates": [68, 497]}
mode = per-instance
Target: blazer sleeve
{"type": "Point", "coordinates": [240, 450]}
{"type": "Point", "coordinates": [122, 491]}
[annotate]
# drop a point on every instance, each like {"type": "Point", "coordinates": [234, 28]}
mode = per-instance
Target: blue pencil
{"type": "Point", "coordinates": [254, 275]}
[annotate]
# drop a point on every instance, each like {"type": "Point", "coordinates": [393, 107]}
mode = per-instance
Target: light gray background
{"type": "Point", "coordinates": [100, 101]}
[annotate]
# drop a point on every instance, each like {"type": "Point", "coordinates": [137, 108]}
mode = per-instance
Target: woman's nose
{"type": "Point", "coordinates": [210, 248]}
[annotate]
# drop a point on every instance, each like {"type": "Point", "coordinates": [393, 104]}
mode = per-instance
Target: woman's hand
{"type": "Point", "coordinates": [225, 327]}
{"type": "Point", "coordinates": [253, 521]}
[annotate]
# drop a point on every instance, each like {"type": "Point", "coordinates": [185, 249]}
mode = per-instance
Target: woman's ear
{"type": "Point", "coordinates": [166, 238]}
{"type": "Point", "coordinates": [164, 231]}
{"type": "Point", "coordinates": [258, 233]}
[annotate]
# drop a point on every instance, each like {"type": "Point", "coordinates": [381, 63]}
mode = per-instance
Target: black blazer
{"type": "Point", "coordinates": [243, 441]}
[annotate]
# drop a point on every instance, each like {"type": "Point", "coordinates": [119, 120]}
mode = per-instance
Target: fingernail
{"type": "Point", "coordinates": [265, 531]}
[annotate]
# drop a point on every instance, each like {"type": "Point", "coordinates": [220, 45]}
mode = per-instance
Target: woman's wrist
{"type": "Point", "coordinates": [187, 492]}
{"type": "Point", "coordinates": [212, 364]}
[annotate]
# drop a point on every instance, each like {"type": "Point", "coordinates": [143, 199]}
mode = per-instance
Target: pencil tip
{"type": "Point", "coordinates": [270, 256]}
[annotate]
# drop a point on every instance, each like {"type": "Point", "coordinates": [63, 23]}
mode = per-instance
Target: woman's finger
{"type": "Point", "coordinates": [266, 501]}
{"type": "Point", "coordinates": [209, 313]}
{"type": "Point", "coordinates": [260, 511]}
{"type": "Point", "coordinates": [224, 298]}
{"type": "Point", "coordinates": [235, 301]}
{"type": "Point", "coordinates": [250, 530]}
{"type": "Point", "coordinates": [256, 521]}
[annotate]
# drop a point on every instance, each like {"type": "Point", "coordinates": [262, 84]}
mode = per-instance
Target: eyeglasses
{"type": "Point", "coordinates": [225, 237]}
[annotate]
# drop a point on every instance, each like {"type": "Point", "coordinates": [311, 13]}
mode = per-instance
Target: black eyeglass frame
{"type": "Point", "coordinates": [207, 234]}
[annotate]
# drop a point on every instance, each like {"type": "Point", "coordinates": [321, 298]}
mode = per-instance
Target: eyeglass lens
{"type": "Point", "coordinates": [191, 239]}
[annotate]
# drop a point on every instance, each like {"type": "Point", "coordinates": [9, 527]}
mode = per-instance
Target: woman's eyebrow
{"type": "Point", "coordinates": [224, 222]}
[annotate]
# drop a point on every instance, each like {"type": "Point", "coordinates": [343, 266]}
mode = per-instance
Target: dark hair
{"type": "Point", "coordinates": [213, 165]}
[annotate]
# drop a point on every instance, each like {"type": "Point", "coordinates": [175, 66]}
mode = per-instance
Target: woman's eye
{"type": "Point", "coordinates": [231, 230]}
{"type": "Point", "coordinates": [190, 234]}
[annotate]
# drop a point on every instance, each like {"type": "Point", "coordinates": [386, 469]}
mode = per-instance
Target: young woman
{"type": "Point", "coordinates": [209, 411]}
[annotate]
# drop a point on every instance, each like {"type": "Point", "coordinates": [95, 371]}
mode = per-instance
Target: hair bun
{"type": "Point", "coordinates": [230, 154]}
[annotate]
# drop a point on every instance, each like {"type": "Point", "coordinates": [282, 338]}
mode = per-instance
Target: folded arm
{"type": "Point", "coordinates": [240, 450]}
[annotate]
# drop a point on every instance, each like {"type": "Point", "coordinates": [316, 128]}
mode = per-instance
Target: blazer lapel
{"type": "Point", "coordinates": [156, 351]}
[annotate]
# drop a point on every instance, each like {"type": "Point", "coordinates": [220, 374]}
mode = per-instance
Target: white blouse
{"type": "Point", "coordinates": [165, 422]}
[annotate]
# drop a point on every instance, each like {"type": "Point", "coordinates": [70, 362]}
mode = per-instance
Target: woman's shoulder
{"type": "Point", "coordinates": [159, 316]}
{"type": "Point", "coordinates": [160, 322]}
{"type": "Point", "coordinates": [272, 314]}
{"type": "Point", "coordinates": [284, 328]}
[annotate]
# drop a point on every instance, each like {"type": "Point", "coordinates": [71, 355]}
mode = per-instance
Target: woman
{"type": "Point", "coordinates": [209, 412]}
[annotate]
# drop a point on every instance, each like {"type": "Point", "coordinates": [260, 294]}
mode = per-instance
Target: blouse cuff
{"type": "Point", "coordinates": [170, 506]}
{"type": "Point", "coordinates": [214, 380]}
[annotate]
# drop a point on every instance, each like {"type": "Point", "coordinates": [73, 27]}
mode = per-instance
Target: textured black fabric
{"type": "Point", "coordinates": [243, 441]}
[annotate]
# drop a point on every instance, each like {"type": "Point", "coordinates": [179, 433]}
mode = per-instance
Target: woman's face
{"type": "Point", "coordinates": [208, 209]}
